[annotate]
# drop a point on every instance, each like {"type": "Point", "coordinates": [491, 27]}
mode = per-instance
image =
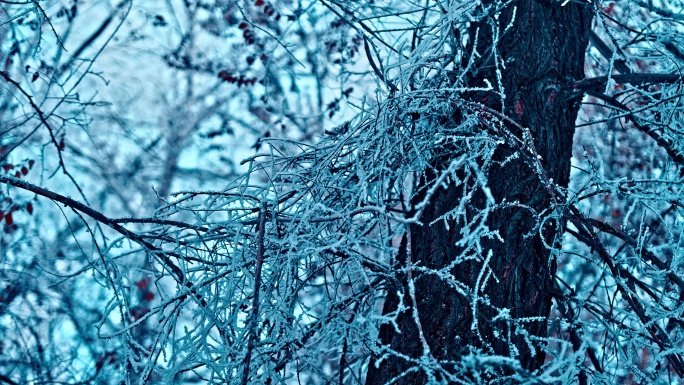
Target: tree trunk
{"type": "Point", "coordinates": [543, 51]}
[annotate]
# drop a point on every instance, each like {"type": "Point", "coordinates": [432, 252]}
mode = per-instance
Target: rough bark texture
{"type": "Point", "coordinates": [544, 51]}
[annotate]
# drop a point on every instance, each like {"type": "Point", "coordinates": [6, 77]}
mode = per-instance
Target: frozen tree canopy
{"type": "Point", "coordinates": [351, 192]}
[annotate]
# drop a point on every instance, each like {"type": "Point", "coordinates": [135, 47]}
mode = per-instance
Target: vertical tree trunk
{"type": "Point", "coordinates": [543, 51]}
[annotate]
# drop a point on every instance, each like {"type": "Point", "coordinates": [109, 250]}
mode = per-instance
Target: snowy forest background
{"type": "Point", "coordinates": [237, 191]}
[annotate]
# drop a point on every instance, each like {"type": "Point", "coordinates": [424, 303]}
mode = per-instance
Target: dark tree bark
{"type": "Point", "coordinates": [544, 52]}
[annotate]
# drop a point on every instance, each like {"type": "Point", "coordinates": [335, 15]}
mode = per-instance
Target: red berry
{"type": "Point", "coordinates": [143, 284]}
{"type": "Point", "coordinates": [226, 76]}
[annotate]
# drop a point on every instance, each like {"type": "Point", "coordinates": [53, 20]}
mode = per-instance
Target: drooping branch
{"type": "Point", "coordinates": [665, 144]}
{"type": "Point", "coordinates": [7, 380]}
{"type": "Point", "coordinates": [635, 79]}
{"type": "Point", "coordinates": [377, 71]}
{"type": "Point", "coordinates": [626, 288]}
{"type": "Point", "coordinates": [569, 314]}
{"type": "Point", "coordinates": [629, 240]}
{"type": "Point", "coordinates": [608, 53]}
{"type": "Point", "coordinates": [99, 217]}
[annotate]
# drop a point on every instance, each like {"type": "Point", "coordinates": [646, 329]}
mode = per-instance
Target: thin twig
{"type": "Point", "coordinates": [659, 336]}
{"type": "Point", "coordinates": [257, 287]}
